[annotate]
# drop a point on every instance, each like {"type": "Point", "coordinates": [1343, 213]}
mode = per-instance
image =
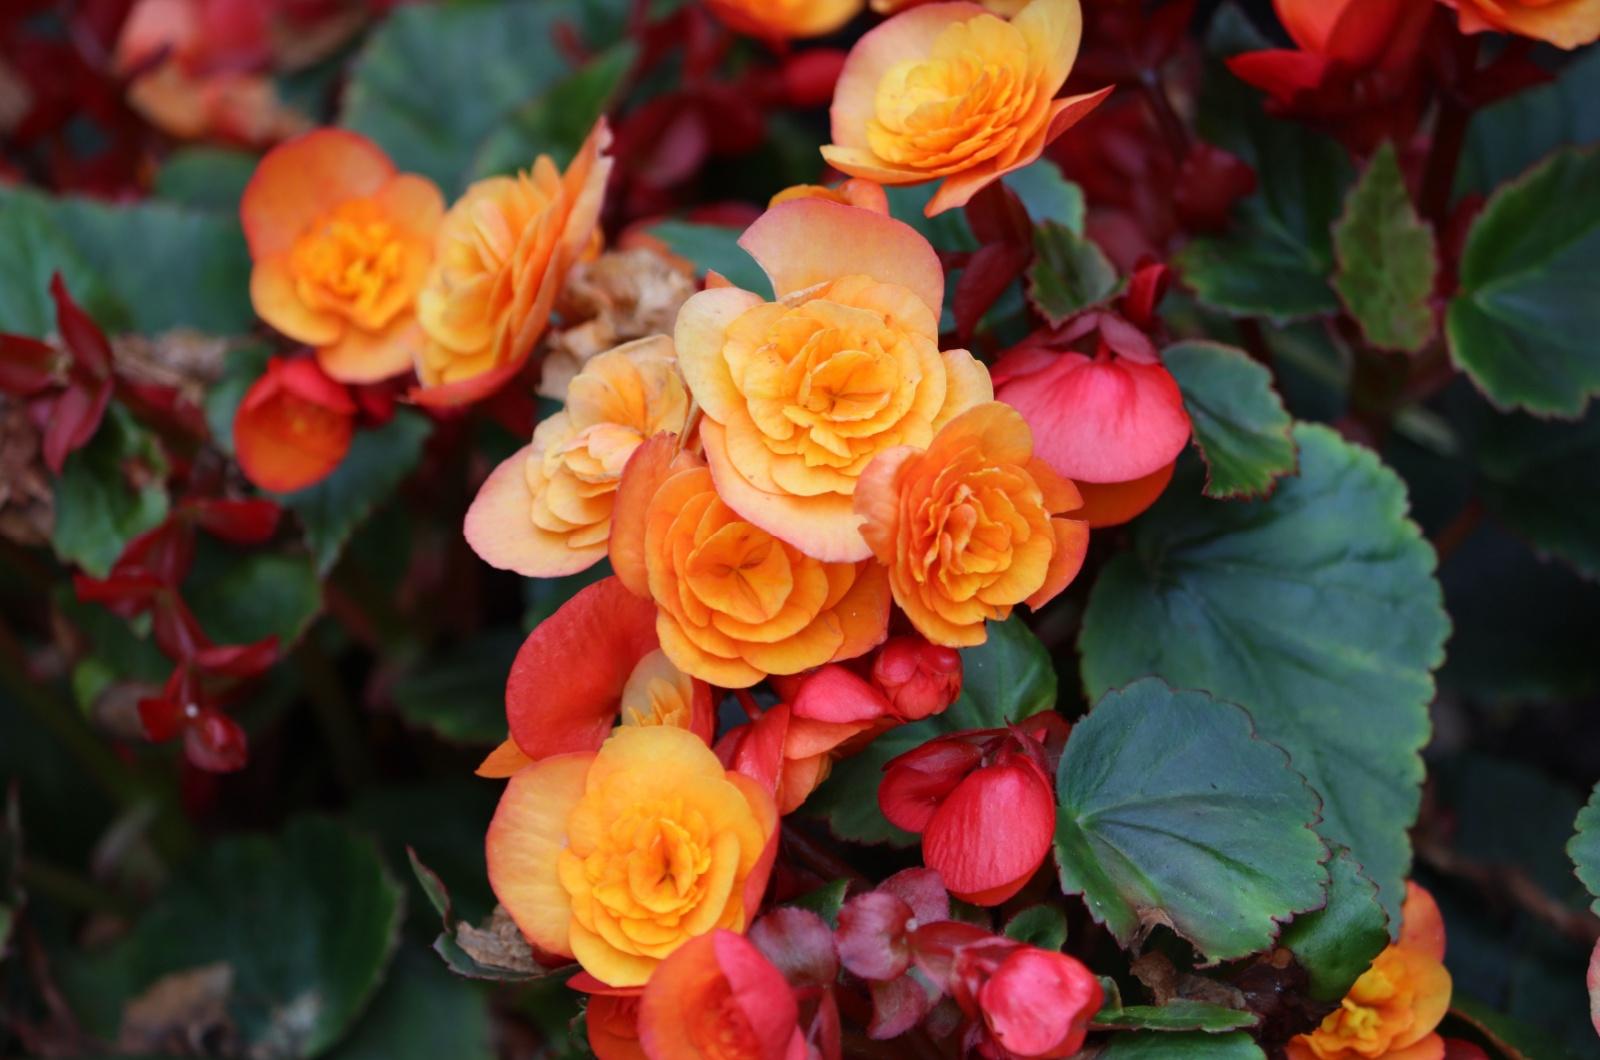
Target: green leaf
{"type": "Point", "coordinates": [1507, 137]}
{"type": "Point", "coordinates": [205, 178]}
{"type": "Point", "coordinates": [947, 231]}
{"type": "Point", "coordinates": [433, 888]}
{"type": "Point", "coordinates": [307, 920]}
{"type": "Point", "coordinates": [1131, 1045]}
{"type": "Point", "coordinates": [1542, 479]}
{"type": "Point", "coordinates": [1584, 848]}
{"type": "Point", "coordinates": [461, 694]}
{"type": "Point", "coordinates": [241, 594]}
{"type": "Point", "coordinates": [241, 368]}
{"type": "Point", "coordinates": [377, 463]}
{"type": "Point", "coordinates": [825, 901]}
{"type": "Point", "coordinates": [1524, 323]}
{"type": "Point", "coordinates": [1176, 1015]}
{"type": "Point", "coordinates": [109, 493]}
{"type": "Point", "coordinates": [1278, 257]}
{"type": "Point", "coordinates": [1070, 273]}
{"type": "Point", "coordinates": [1388, 259]}
{"type": "Point", "coordinates": [1239, 421]}
{"type": "Point", "coordinates": [436, 80]}
{"type": "Point", "coordinates": [1173, 812]}
{"type": "Point", "coordinates": [1007, 678]}
{"type": "Point", "coordinates": [556, 122]}
{"type": "Point", "coordinates": [32, 249]}
{"type": "Point", "coordinates": [1044, 926]}
{"type": "Point", "coordinates": [443, 822]}
{"type": "Point", "coordinates": [422, 1013]}
{"type": "Point", "coordinates": [714, 248]}
{"type": "Point", "coordinates": [1336, 944]}
{"type": "Point", "coordinates": [1048, 195]}
{"type": "Point", "coordinates": [1512, 1038]}
{"type": "Point", "coordinates": [1316, 610]}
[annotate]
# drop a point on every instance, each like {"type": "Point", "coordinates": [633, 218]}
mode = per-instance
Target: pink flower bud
{"type": "Point", "coordinates": [1027, 1003]}
{"type": "Point", "coordinates": [920, 679]}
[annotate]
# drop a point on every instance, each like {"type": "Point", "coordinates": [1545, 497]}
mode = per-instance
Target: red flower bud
{"type": "Point", "coordinates": [1027, 1003]}
{"type": "Point", "coordinates": [293, 427]}
{"type": "Point", "coordinates": [918, 678]}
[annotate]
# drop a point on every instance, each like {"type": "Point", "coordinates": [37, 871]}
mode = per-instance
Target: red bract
{"type": "Point", "coordinates": [293, 427]}
{"type": "Point", "coordinates": [918, 678]}
{"type": "Point", "coordinates": [212, 741]}
{"type": "Point", "coordinates": [874, 937]}
{"type": "Point", "coordinates": [984, 804]}
{"type": "Point", "coordinates": [1024, 1002]}
{"type": "Point", "coordinates": [1104, 410]}
{"type": "Point", "coordinates": [801, 946]}
{"type": "Point", "coordinates": [74, 390]}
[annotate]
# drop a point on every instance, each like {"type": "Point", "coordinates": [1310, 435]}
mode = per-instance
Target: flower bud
{"type": "Point", "coordinates": [1026, 1002]}
{"type": "Point", "coordinates": [920, 679]}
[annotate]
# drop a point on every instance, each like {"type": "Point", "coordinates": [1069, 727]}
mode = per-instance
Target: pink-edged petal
{"type": "Point", "coordinates": [699, 337]}
{"type": "Point", "coordinates": [525, 840]}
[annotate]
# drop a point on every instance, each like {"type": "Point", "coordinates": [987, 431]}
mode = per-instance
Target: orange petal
{"type": "Point", "coordinates": [504, 761]}
{"type": "Point", "coordinates": [525, 839]}
{"type": "Point", "coordinates": [807, 242]}
{"type": "Point", "coordinates": [1114, 503]}
{"type": "Point", "coordinates": [1072, 544]}
{"type": "Point", "coordinates": [372, 356]}
{"type": "Point", "coordinates": [1421, 925]}
{"type": "Point", "coordinates": [500, 528]}
{"type": "Point", "coordinates": [301, 180]}
{"type": "Point", "coordinates": [863, 612]}
{"type": "Point", "coordinates": [413, 204]}
{"type": "Point", "coordinates": [699, 336]}
{"type": "Point", "coordinates": [276, 301]}
{"type": "Point", "coordinates": [655, 461]}
{"type": "Point", "coordinates": [466, 391]}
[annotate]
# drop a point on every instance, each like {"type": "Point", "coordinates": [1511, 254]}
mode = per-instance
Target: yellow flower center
{"type": "Point", "coordinates": [647, 869]}
{"type": "Point", "coordinates": [962, 103]}
{"type": "Point", "coordinates": [1372, 1014]}
{"type": "Point", "coordinates": [347, 260]}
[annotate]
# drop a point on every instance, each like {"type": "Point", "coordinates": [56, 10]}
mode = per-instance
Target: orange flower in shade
{"type": "Point", "coordinates": [546, 511]}
{"type": "Point", "coordinates": [293, 427]}
{"type": "Point", "coordinates": [733, 602]}
{"type": "Point", "coordinates": [971, 527]}
{"type": "Point", "coordinates": [718, 998]}
{"type": "Point", "coordinates": [612, 1023]}
{"type": "Point", "coordinates": [1392, 1011]}
{"type": "Point", "coordinates": [785, 19]}
{"type": "Point", "coordinates": [1565, 23]}
{"type": "Point", "coordinates": [554, 707]}
{"type": "Point", "coordinates": [950, 91]}
{"type": "Point", "coordinates": [341, 244]}
{"type": "Point", "coordinates": [800, 394]}
{"type": "Point", "coordinates": [503, 253]}
{"type": "Point", "coordinates": [617, 858]}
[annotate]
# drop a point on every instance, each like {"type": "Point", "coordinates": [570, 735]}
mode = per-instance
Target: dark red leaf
{"type": "Point", "coordinates": [244, 522]}
{"type": "Point", "coordinates": [215, 743]}
{"type": "Point", "coordinates": [989, 271]}
{"type": "Point", "coordinates": [73, 421]}
{"type": "Point", "coordinates": [83, 338]}
{"type": "Point", "coordinates": [27, 366]}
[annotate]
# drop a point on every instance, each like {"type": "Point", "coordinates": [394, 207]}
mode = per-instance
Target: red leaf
{"type": "Point", "coordinates": [997, 215]}
{"type": "Point", "coordinates": [244, 522]}
{"type": "Point", "coordinates": [73, 421]}
{"type": "Point", "coordinates": [988, 273]}
{"type": "Point", "coordinates": [238, 660]}
{"type": "Point", "coordinates": [27, 366]}
{"type": "Point", "coordinates": [162, 720]}
{"type": "Point", "coordinates": [799, 944]}
{"type": "Point", "coordinates": [87, 343]}
{"type": "Point", "coordinates": [215, 743]}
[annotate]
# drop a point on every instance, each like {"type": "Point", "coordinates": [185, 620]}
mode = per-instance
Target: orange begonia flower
{"type": "Point", "coordinates": [341, 244]}
{"type": "Point", "coordinates": [719, 998]}
{"type": "Point", "coordinates": [785, 19]}
{"type": "Point", "coordinates": [612, 1023]}
{"type": "Point", "coordinates": [800, 394]}
{"type": "Point", "coordinates": [734, 603]}
{"type": "Point", "coordinates": [503, 253]}
{"type": "Point", "coordinates": [970, 528]}
{"type": "Point", "coordinates": [546, 511]}
{"type": "Point", "coordinates": [1392, 1011]}
{"type": "Point", "coordinates": [1565, 23]}
{"type": "Point", "coordinates": [788, 755]}
{"type": "Point", "coordinates": [1004, 8]}
{"type": "Point", "coordinates": [867, 194]}
{"type": "Point", "coordinates": [293, 427]}
{"type": "Point", "coordinates": [951, 91]}
{"type": "Point", "coordinates": [618, 858]}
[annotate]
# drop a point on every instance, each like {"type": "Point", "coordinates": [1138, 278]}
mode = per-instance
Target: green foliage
{"type": "Point", "coordinates": [461, 693]}
{"type": "Point", "coordinates": [1070, 273]}
{"type": "Point", "coordinates": [1511, 1038]}
{"type": "Point", "coordinates": [1542, 479]}
{"type": "Point", "coordinates": [205, 178]}
{"type": "Point", "coordinates": [307, 921]}
{"type": "Point", "coordinates": [32, 248]}
{"type": "Point", "coordinates": [1048, 196]}
{"type": "Point", "coordinates": [1044, 926]}
{"type": "Point", "coordinates": [1007, 678]}
{"type": "Point", "coordinates": [377, 463]}
{"type": "Point", "coordinates": [1513, 134]}
{"type": "Point", "coordinates": [1315, 609]}
{"type": "Point", "coordinates": [1130, 1045]}
{"type": "Point", "coordinates": [1239, 421]}
{"type": "Point", "coordinates": [241, 595]}
{"type": "Point", "coordinates": [1387, 258]}
{"type": "Point", "coordinates": [423, 1012]}
{"type": "Point", "coordinates": [1176, 1015]}
{"type": "Point", "coordinates": [1524, 323]}
{"type": "Point", "coordinates": [714, 248]}
{"type": "Point", "coordinates": [436, 82]}
{"type": "Point", "coordinates": [1584, 849]}
{"type": "Point", "coordinates": [1173, 812]}
{"type": "Point", "coordinates": [1336, 944]}
{"type": "Point", "coordinates": [825, 901]}
{"type": "Point", "coordinates": [556, 122]}
{"type": "Point", "coordinates": [109, 493]}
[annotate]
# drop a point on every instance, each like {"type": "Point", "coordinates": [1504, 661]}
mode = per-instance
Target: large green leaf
{"type": "Point", "coordinates": [1523, 326]}
{"type": "Point", "coordinates": [1336, 943]}
{"type": "Point", "coordinates": [1584, 849]}
{"type": "Point", "coordinates": [423, 1012]}
{"type": "Point", "coordinates": [1315, 609]}
{"type": "Point", "coordinates": [205, 178]}
{"type": "Point", "coordinates": [1176, 1015]}
{"type": "Point", "coordinates": [1070, 273]}
{"type": "Point", "coordinates": [1173, 812]}
{"type": "Point", "coordinates": [557, 121]}
{"type": "Point", "coordinates": [243, 594]}
{"type": "Point", "coordinates": [1542, 479]}
{"type": "Point", "coordinates": [1387, 258]}
{"type": "Point", "coordinates": [109, 492]}
{"type": "Point", "coordinates": [1506, 138]}
{"type": "Point", "coordinates": [1239, 421]}
{"type": "Point", "coordinates": [1185, 1045]}
{"type": "Point", "coordinates": [1048, 196]}
{"type": "Point", "coordinates": [32, 249]}
{"type": "Point", "coordinates": [436, 80]}
{"type": "Point", "coordinates": [1007, 678]}
{"type": "Point", "coordinates": [461, 694]}
{"type": "Point", "coordinates": [377, 463]}
{"type": "Point", "coordinates": [307, 920]}
{"type": "Point", "coordinates": [714, 248]}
